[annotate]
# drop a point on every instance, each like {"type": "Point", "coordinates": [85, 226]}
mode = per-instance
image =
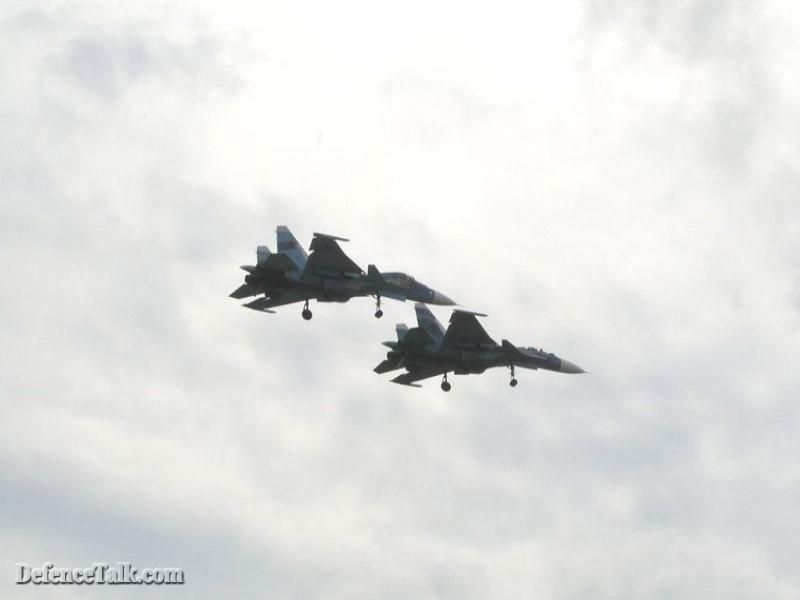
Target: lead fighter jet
{"type": "Point", "coordinates": [325, 275]}
{"type": "Point", "coordinates": [428, 350]}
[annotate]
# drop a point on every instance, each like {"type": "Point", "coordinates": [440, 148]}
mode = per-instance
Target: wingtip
{"type": "Point", "coordinates": [469, 312]}
{"type": "Point", "coordinates": [327, 236]}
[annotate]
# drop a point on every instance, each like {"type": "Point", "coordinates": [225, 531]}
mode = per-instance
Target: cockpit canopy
{"type": "Point", "coordinates": [400, 279]}
{"type": "Point", "coordinates": [538, 351]}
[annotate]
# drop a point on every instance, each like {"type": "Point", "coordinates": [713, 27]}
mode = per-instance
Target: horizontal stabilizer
{"type": "Point", "coordinates": [420, 372]}
{"type": "Point", "coordinates": [390, 364]}
{"type": "Point", "coordinates": [259, 304]}
{"type": "Point", "coordinates": [244, 291]}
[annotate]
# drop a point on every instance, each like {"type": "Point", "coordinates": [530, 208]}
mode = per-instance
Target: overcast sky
{"type": "Point", "coordinates": [616, 182]}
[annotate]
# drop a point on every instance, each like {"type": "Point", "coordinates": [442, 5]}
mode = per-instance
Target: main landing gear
{"type": "Point", "coordinates": [378, 311]}
{"type": "Point", "coordinates": [513, 382]}
{"type": "Point", "coordinates": [445, 383]}
{"type": "Point", "coordinates": [307, 314]}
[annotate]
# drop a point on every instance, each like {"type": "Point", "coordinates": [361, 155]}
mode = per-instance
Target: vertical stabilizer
{"type": "Point", "coordinates": [288, 245]}
{"type": "Point", "coordinates": [402, 330]}
{"type": "Point", "coordinates": [262, 254]}
{"type": "Point", "coordinates": [429, 323]}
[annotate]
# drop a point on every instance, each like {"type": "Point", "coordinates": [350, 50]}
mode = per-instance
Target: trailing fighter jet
{"type": "Point", "coordinates": [428, 350]}
{"type": "Point", "coordinates": [325, 275]}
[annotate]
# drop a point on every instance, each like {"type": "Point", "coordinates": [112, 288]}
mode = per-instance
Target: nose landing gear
{"type": "Point", "coordinates": [445, 383]}
{"type": "Point", "coordinates": [513, 382]}
{"type": "Point", "coordinates": [307, 314]}
{"type": "Point", "coordinates": [378, 311]}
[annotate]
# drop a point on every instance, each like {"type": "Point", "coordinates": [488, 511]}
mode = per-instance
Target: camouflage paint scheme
{"type": "Point", "coordinates": [429, 350]}
{"type": "Point", "coordinates": [327, 274]}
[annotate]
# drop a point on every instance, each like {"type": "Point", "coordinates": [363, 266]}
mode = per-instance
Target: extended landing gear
{"type": "Point", "coordinates": [307, 314]}
{"type": "Point", "coordinates": [445, 384]}
{"type": "Point", "coordinates": [378, 311]}
{"type": "Point", "coordinates": [513, 382]}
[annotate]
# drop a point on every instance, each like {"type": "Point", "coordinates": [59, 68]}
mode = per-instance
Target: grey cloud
{"type": "Point", "coordinates": [695, 31]}
{"type": "Point", "coordinates": [57, 512]}
{"type": "Point", "coordinates": [727, 91]}
{"type": "Point", "coordinates": [108, 64]}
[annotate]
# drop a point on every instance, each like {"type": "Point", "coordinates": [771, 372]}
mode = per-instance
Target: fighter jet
{"type": "Point", "coordinates": [325, 275]}
{"type": "Point", "coordinates": [428, 350]}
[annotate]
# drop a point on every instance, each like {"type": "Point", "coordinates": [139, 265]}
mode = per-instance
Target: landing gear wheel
{"type": "Point", "coordinates": [307, 314]}
{"type": "Point", "coordinates": [378, 313]}
{"type": "Point", "coordinates": [445, 384]}
{"type": "Point", "coordinates": [513, 382]}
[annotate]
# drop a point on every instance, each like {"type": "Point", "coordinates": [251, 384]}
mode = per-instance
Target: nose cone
{"type": "Point", "coordinates": [568, 367]}
{"type": "Point", "coordinates": [440, 299]}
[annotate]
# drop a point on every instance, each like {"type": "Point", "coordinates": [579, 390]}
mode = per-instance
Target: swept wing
{"type": "Point", "coordinates": [465, 331]}
{"type": "Point", "coordinates": [328, 258]}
